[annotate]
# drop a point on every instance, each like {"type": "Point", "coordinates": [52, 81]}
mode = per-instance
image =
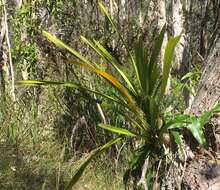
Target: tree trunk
{"type": "Point", "coordinates": [203, 172]}
{"type": "Point", "coordinates": [6, 65]}
{"type": "Point", "coordinates": [203, 31]}
{"type": "Point", "coordinates": [178, 28]}
{"type": "Point", "coordinates": [208, 92]}
{"type": "Point", "coordinates": [162, 20]}
{"type": "Point", "coordinates": [182, 57]}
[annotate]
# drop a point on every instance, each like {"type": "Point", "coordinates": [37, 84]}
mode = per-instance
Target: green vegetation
{"type": "Point", "coordinates": [141, 101]}
{"type": "Point", "coordinates": [99, 114]}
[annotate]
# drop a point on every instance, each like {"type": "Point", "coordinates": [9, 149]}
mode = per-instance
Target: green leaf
{"type": "Point", "coordinates": [206, 116]}
{"type": "Point", "coordinates": [141, 59]}
{"type": "Point", "coordinates": [177, 121]}
{"type": "Point", "coordinates": [178, 140]}
{"type": "Point", "coordinates": [110, 143]}
{"type": "Point", "coordinates": [197, 125]}
{"type": "Point", "coordinates": [106, 13]}
{"type": "Point", "coordinates": [153, 68]}
{"type": "Point", "coordinates": [189, 75]}
{"type": "Point", "coordinates": [61, 44]}
{"type": "Point", "coordinates": [91, 44]}
{"type": "Point", "coordinates": [111, 79]}
{"type": "Point", "coordinates": [168, 56]}
{"type": "Point", "coordinates": [68, 84]}
{"type": "Point", "coordinates": [82, 167]}
{"type": "Point", "coordinates": [157, 48]}
{"type": "Point", "coordinates": [91, 156]}
{"type": "Point", "coordinates": [113, 61]}
{"type": "Point", "coordinates": [216, 109]}
{"type": "Point", "coordinates": [153, 111]}
{"type": "Point", "coordinates": [115, 83]}
{"type": "Point", "coordinates": [193, 124]}
{"type": "Point", "coordinates": [197, 131]}
{"type": "Point", "coordinates": [100, 50]}
{"type": "Point", "coordinates": [177, 137]}
{"type": "Point", "coordinates": [117, 130]}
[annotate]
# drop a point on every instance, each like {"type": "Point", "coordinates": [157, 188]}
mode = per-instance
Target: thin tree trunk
{"type": "Point", "coordinates": [161, 22]}
{"type": "Point", "coordinates": [178, 28]}
{"type": "Point", "coordinates": [182, 55]}
{"type": "Point", "coordinates": [2, 35]}
{"type": "Point", "coordinates": [7, 65]}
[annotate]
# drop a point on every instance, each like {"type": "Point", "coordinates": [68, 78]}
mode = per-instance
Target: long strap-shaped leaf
{"type": "Point", "coordinates": [106, 13]}
{"type": "Point", "coordinates": [153, 68]}
{"type": "Point", "coordinates": [69, 84]}
{"type": "Point", "coordinates": [61, 44]}
{"type": "Point", "coordinates": [79, 87]}
{"type": "Point", "coordinates": [122, 131]}
{"type": "Point", "coordinates": [118, 130]}
{"type": "Point", "coordinates": [135, 122]}
{"type": "Point", "coordinates": [141, 60]}
{"type": "Point", "coordinates": [100, 50]}
{"type": "Point", "coordinates": [87, 64]}
{"type": "Point", "coordinates": [168, 56]}
{"type": "Point", "coordinates": [157, 48]}
{"type": "Point", "coordinates": [114, 82]}
{"type": "Point", "coordinates": [92, 155]}
{"type": "Point", "coordinates": [117, 100]}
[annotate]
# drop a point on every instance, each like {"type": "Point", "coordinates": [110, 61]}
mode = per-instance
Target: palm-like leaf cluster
{"type": "Point", "coordinates": [141, 103]}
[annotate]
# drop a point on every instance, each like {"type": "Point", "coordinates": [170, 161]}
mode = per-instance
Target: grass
{"type": "Point", "coordinates": [31, 155]}
{"type": "Point", "coordinates": [31, 171]}
{"type": "Point", "coordinates": [100, 177]}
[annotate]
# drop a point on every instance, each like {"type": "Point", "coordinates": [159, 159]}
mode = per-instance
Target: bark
{"type": "Point", "coordinates": [140, 16]}
{"type": "Point", "coordinates": [16, 3]}
{"type": "Point", "coordinates": [208, 92]}
{"type": "Point", "coordinates": [202, 168]}
{"type": "Point", "coordinates": [203, 172]}
{"type": "Point", "coordinates": [178, 28]}
{"type": "Point", "coordinates": [123, 10]}
{"type": "Point", "coordinates": [203, 34]}
{"type": "Point", "coordinates": [181, 26]}
{"type": "Point", "coordinates": [216, 26]}
{"type": "Point", "coordinates": [162, 20]}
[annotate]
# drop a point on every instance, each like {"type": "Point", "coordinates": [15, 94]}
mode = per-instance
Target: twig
{"type": "Point", "coordinates": [78, 122]}
{"type": "Point", "coordinates": [184, 166]}
{"type": "Point", "coordinates": [143, 174]}
{"type": "Point", "coordinates": [99, 109]}
{"type": "Point", "coordinates": [89, 130]}
{"type": "Point", "coordinates": [119, 153]}
{"type": "Point", "coordinates": [2, 34]}
{"type": "Point", "coordinates": [155, 186]}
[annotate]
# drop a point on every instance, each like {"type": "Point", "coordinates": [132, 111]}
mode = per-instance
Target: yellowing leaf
{"type": "Point", "coordinates": [114, 82]}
